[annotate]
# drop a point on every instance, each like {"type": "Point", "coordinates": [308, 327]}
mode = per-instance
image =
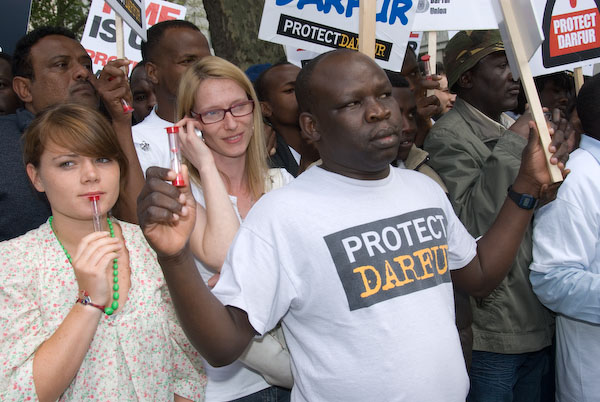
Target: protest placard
{"type": "Point", "coordinates": [132, 12]}
{"type": "Point", "coordinates": [567, 46]}
{"type": "Point", "coordinates": [321, 25]}
{"type": "Point", "coordinates": [572, 35]}
{"type": "Point", "coordinates": [300, 57]}
{"type": "Point", "coordinates": [99, 35]}
{"type": "Point", "coordinates": [454, 15]}
{"type": "Point", "coordinates": [521, 37]}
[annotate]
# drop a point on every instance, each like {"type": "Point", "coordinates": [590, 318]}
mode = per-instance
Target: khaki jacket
{"type": "Point", "coordinates": [417, 160]}
{"type": "Point", "coordinates": [478, 160]}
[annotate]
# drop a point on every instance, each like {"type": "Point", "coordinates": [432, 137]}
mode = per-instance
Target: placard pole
{"type": "Point", "coordinates": [366, 27]}
{"type": "Point", "coordinates": [432, 50]}
{"type": "Point", "coordinates": [119, 36]}
{"type": "Point", "coordinates": [578, 74]}
{"type": "Point", "coordinates": [533, 99]}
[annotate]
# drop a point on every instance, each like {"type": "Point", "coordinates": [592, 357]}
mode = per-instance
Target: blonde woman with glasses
{"type": "Point", "coordinates": [222, 140]}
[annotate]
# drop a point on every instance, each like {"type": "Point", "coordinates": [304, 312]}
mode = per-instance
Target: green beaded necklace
{"type": "Point", "coordinates": [115, 304]}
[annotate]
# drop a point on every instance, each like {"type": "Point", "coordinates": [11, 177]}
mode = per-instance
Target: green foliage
{"type": "Point", "coordinates": [71, 14]}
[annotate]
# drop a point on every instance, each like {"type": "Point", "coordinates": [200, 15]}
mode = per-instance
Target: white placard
{"type": "Point", "coordinates": [299, 57]}
{"type": "Point", "coordinates": [530, 33]}
{"type": "Point", "coordinates": [321, 26]}
{"type": "Point", "coordinates": [454, 15]}
{"type": "Point", "coordinates": [563, 12]}
{"type": "Point", "coordinates": [99, 35]}
{"type": "Point", "coordinates": [414, 41]}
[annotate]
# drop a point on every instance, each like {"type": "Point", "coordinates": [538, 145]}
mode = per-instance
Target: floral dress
{"type": "Point", "coordinates": [138, 354]}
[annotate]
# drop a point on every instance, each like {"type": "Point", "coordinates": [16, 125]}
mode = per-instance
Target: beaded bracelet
{"type": "Point", "coordinates": [86, 300]}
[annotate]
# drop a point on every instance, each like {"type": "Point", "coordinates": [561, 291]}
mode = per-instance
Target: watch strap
{"type": "Point", "coordinates": [524, 201]}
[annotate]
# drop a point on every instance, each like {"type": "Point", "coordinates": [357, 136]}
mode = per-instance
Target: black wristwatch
{"type": "Point", "coordinates": [525, 201]}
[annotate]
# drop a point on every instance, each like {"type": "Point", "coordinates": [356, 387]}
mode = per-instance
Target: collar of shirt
{"type": "Point", "coordinates": [505, 120]}
{"type": "Point", "coordinates": [484, 127]}
{"type": "Point", "coordinates": [591, 145]}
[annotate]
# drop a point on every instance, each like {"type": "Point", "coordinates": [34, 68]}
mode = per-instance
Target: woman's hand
{"type": "Point", "coordinates": [166, 214]}
{"type": "Point", "coordinates": [192, 145]}
{"type": "Point", "coordinates": [92, 264]}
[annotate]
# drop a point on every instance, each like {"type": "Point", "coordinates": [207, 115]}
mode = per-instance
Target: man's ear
{"type": "Point", "coordinates": [309, 127]}
{"type": "Point", "coordinates": [22, 87]}
{"type": "Point", "coordinates": [465, 80]}
{"type": "Point", "coordinates": [34, 176]}
{"type": "Point", "coordinates": [152, 72]}
{"type": "Point", "coordinates": [265, 107]}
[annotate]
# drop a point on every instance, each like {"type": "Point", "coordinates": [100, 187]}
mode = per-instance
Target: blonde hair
{"type": "Point", "coordinates": [256, 154]}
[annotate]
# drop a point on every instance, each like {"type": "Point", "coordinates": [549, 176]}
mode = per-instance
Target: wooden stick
{"type": "Point", "coordinates": [119, 36]}
{"type": "Point", "coordinates": [535, 105]}
{"type": "Point", "coordinates": [366, 27]}
{"type": "Point", "coordinates": [578, 73]}
{"type": "Point", "coordinates": [120, 55]}
{"type": "Point", "coordinates": [432, 50]}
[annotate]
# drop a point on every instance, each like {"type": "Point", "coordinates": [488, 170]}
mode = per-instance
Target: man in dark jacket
{"type": "Point", "coordinates": [476, 149]}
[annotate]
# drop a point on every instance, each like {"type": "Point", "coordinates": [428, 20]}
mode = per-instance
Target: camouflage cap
{"type": "Point", "coordinates": [466, 48]}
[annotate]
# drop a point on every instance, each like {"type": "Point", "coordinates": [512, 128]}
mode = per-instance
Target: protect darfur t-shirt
{"type": "Point", "coordinates": [360, 273]}
{"type": "Point", "coordinates": [391, 257]}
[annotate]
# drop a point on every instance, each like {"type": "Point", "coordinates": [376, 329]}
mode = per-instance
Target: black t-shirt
{"type": "Point", "coordinates": [283, 157]}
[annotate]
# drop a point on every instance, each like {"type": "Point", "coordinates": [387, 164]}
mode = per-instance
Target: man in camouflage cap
{"type": "Point", "coordinates": [466, 49]}
{"type": "Point", "coordinates": [476, 149]}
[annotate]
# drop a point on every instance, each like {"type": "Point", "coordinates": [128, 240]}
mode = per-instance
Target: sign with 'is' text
{"type": "Point", "coordinates": [99, 36]}
{"type": "Point", "coordinates": [323, 25]}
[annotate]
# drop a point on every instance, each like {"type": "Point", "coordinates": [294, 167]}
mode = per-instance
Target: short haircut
{"type": "Point", "coordinates": [21, 64]}
{"type": "Point", "coordinates": [304, 95]}
{"type": "Point", "coordinates": [7, 57]}
{"type": "Point", "coordinates": [561, 79]}
{"type": "Point", "coordinates": [588, 106]}
{"type": "Point", "coordinates": [155, 34]}
{"type": "Point", "coordinates": [141, 64]}
{"type": "Point", "coordinates": [260, 85]}
{"type": "Point", "coordinates": [74, 127]}
{"type": "Point", "coordinates": [396, 79]}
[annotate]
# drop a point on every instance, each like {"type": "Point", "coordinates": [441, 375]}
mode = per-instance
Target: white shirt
{"type": "Point", "coordinates": [359, 272]}
{"type": "Point", "coordinates": [234, 380]}
{"type": "Point", "coordinates": [565, 273]}
{"type": "Point", "coordinates": [152, 142]}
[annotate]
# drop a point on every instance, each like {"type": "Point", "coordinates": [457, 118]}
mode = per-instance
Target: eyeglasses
{"type": "Point", "coordinates": [216, 115]}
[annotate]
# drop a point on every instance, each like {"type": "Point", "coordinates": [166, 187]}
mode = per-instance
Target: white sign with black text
{"type": "Point", "coordinates": [322, 25]}
{"type": "Point", "coordinates": [99, 35]}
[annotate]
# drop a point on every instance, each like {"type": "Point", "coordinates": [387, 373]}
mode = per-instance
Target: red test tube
{"type": "Point", "coordinates": [126, 107]}
{"type": "Point", "coordinates": [96, 212]}
{"type": "Point", "coordinates": [426, 66]}
{"type": "Point", "coordinates": [175, 155]}
{"type": "Point", "coordinates": [427, 70]}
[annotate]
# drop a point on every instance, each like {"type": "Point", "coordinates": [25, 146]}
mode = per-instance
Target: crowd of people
{"type": "Point", "coordinates": [342, 233]}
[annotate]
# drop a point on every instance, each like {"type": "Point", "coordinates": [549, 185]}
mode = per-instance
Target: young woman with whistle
{"type": "Point", "coordinates": [85, 311]}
